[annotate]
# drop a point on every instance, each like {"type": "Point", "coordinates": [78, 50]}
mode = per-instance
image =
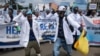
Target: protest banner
{"type": "Point", "coordinates": [9, 36]}
{"type": "Point", "coordinates": [47, 28]}
{"type": "Point", "coordinates": [93, 30]}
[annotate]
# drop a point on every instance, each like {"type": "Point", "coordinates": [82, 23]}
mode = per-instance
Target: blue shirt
{"type": "Point", "coordinates": [31, 33]}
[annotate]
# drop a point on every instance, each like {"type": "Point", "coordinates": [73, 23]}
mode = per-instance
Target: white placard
{"type": "Point", "coordinates": [92, 6]}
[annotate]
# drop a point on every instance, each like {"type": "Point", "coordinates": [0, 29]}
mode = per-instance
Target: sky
{"type": "Point", "coordinates": [46, 1]}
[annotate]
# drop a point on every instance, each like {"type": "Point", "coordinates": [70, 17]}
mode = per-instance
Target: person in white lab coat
{"type": "Point", "coordinates": [29, 35]}
{"type": "Point", "coordinates": [52, 15]}
{"type": "Point", "coordinates": [77, 18]}
{"type": "Point", "coordinates": [21, 16]}
{"type": "Point", "coordinates": [6, 8]}
{"type": "Point", "coordinates": [9, 17]}
{"type": "Point", "coordinates": [19, 19]}
{"type": "Point", "coordinates": [1, 18]}
{"type": "Point", "coordinates": [6, 17]}
{"type": "Point", "coordinates": [82, 18]}
{"type": "Point", "coordinates": [63, 36]}
{"type": "Point", "coordinates": [93, 14]}
{"type": "Point", "coordinates": [38, 15]}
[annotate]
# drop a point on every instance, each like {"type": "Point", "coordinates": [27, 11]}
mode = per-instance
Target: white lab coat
{"type": "Point", "coordinates": [25, 28]}
{"type": "Point", "coordinates": [78, 19]}
{"type": "Point", "coordinates": [2, 20]}
{"type": "Point", "coordinates": [51, 16]}
{"type": "Point", "coordinates": [5, 12]}
{"type": "Point", "coordinates": [67, 31]}
{"type": "Point", "coordinates": [7, 17]}
{"type": "Point", "coordinates": [20, 18]}
{"type": "Point", "coordinates": [83, 22]}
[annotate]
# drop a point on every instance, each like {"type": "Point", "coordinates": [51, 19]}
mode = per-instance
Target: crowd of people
{"type": "Point", "coordinates": [69, 26]}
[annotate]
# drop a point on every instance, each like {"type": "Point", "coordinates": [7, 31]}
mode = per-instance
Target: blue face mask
{"type": "Point", "coordinates": [29, 12]}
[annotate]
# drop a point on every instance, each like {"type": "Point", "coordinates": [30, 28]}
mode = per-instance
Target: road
{"type": "Point", "coordinates": [46, 50]}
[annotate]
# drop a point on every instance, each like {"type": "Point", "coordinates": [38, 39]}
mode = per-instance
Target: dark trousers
{"type": "Point", "coordinates": [32, 44]}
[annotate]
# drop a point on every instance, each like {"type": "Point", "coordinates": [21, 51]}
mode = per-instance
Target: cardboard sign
{"type": "Point", "coordinates": [54, 6]}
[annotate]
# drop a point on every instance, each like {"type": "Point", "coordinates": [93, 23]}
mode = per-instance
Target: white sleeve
{"type": "Point", "coordinates": [49, 16]}
{"type": "Point", "coordinates": [83, 23]}
{"type": "Point", "coordinates": [6, 16]}
{"type": "Point", "coordinates": [17, 18]}
{"type": "Point", "coordinates": [72, 22]}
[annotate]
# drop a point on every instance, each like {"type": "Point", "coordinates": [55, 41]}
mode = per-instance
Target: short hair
{"type": "Point", "coordinates": [76, 7]}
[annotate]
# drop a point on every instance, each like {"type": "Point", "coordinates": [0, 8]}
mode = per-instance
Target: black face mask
{"type": "Point", "coordinates": [61, 13]}
{"type": "Point", "coordinates": [75, 10]}
{"type": "Point", "coordinates": [53, 12]}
